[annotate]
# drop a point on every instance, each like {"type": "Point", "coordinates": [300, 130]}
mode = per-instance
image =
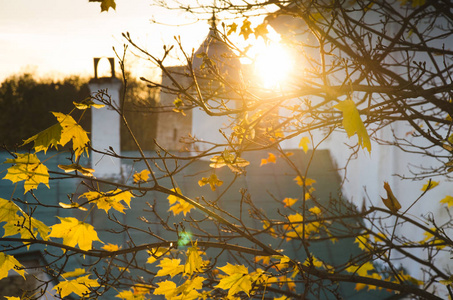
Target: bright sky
{"type": "Point", "coordinates": [56, 38]}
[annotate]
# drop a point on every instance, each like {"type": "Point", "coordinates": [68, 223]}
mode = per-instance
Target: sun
{"type": "Point", "coordinates": [273, 65]}
{"type": "Point", "coordinates": [272, 62]}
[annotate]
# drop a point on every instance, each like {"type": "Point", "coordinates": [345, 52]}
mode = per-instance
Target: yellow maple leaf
{"type": "Point", "coordinates": [106, 4]}
{"type": "Point", "coordinates": [46, 138]}
{"type": "Point", "coordinates": [12, 298]}
{"type": "Point", "coordinates": [391, 202]}
{"type": "Point", "coordinates": [72, 205]}
{"type": "Point", "coordinates": [111, 199]}
{"type": "Point", "coordinates": [212, 180]}
{"type": "Point", "coordinates": [430, 185]}
{"type": "Point", "coordinates": [75, 232]}
{"type": "Point", "coordinates": [361, 270]}
{"type": "Point", "coordinates": [447, 200]}
{"type": "Point", "coordinates": [155, 254]}
{"type": "Point", "coordinates": [362, 240]}
{"type": "Point", "coordinates": [170, 266]}
{"type": "Point", "coordinates": [143, 176]}
{"type": "Point", "coordinates": [86, 104]}
{"type": "Point", "coordinates": [9, 262]}
{"type": "Point", "coordinates": [28, 168]}
{"type": "Point", "coordinates": [238, 279]}
{"type": "Point", "coordinates": [289, 201]}
{"type": "Point", "coordinates": [178, 205]}
{"type": "Point", "coordinates": [111, 247]}
{"type": "Point", "coordinates": [304, 143]}
{"type": "Point", "coordinates": [166, 288]}
{"type": "Point", "coordinates": [72, 131]}
{"type": "Point", "coordinates": [315, 210]}
{"type": "Point", "coordinates": [308, 181]}
{"type": "Point", "coordinates": [27, 227]}
{"type": "Point", "coordinates": [8, 211]}
{"type": "Point", "coordinates": [76, 273]}
{"type": "Point", "coordinates": [270, 159]}
{"type": "Point", "coordinates": [353, 124]}
{"type": "Point", "coordinates": [194, 262]}
{"type": "Point", "coordinates": [76, 167]}
{"type": "Point", "coordinates": [80, 286]}
{"type": "Point", "coordinates": [235, 163]}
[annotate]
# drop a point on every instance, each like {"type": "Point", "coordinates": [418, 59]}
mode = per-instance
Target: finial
{"type": "Point", "coordinates": [213, 21]}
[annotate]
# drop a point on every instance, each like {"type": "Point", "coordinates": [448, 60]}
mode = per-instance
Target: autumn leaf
{"type": "Point", "coordinates": [8, 211]}
{"type": "Point", "coordinates": [304, 143]}
{"type": "Point", "coordinates": [27, 167]}
{"type": "Point", "coordinates": [7, 263]}
{"type": "Point", "coordinates": [111, 247]}
{"type": "Point", "coordinates": [430, 185]}
{"type": "Point", "coordinates": [72, 131]}
{"type": "Point", "coordinates": [391, 202]}
{"type": "Point", "coordinates": [212, 180]}
{"type": "Point", "coordinates": [361, 270]}
{"type": "Point", "coordinates": [308, 181]}
{"type": "Point", "coordinates": [166, 288]}
{"type": "Point", "coordinates": [238, 279]}
{"type": "Point", "coordinates": [75, 232]}
{"type": "Point", "coordinates": [27, 227]}
{"type": "Point", "coordinates": [155, 254]}
{"type": "Point", "coordinates": [194, 262]}
{"type": "Point", "coordinates": [232, 28]}
{"type": "Point", "coordinates": [289, 201]}
{"type": "Point", "coordinates": [178, 205]}
{"type": "Point", "coordinates": [261, 31]}
{"type": "Point", "coordinates": [447, 200]}
{"type": "Point", "coordinates": [245, 29]}
{"type": "Point", "coordinates": [228, 159]}
{"type": "Point", "coordinates": [86, 104]}
{"type": "Point", "coordinates": [72, 205]}
{"type": "Point", "coordinates": [106, 4]}
{"type": "Point", "coordinates": [353, 124]}
{"type": "Point", "coordinates": [76, 273]}
{"type": "Point", "coordinates": [143, 176]}
{"type": "Point", "coordinates": [270, 159]}
{"type": "Point", "coordinates": [170, 266]}
{"type": "Point", "coordinates": [76, 167]}
{"type": "Point", "coordinates": [111, 199]}
{"type": "Point", "coordinates": [46, 138]}
{"type": "Point", "coordinates": [79, 286]}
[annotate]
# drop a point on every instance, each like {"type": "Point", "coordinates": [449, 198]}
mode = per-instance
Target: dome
{"type": "Point", "coordinates": [215, 51]}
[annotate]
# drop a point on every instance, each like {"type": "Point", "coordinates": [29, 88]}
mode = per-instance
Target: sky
{"type": "Point", "coordinates": [57, 38]}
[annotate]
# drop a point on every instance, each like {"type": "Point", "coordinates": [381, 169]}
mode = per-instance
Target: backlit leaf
{"type": "Point", "coordinates": [86, 104]}
{"type": "Point", "coordinates": [111, 247]}
{"type": "Point", "coordinates": [75, 232]}
{"type": "Point", "coordinates": [46, 138]}
{"type": "Point", "coordinates": [170, 267]}
{"type": "Point", "coordinates": [7, 263]}
{"type": "Point", "coordinates": [308, 181]}
{"type": "Point", "coordinates": [28, 168]}
{"type": "Point", "coordinates": [353, 124]}
{"type": "Point", "coordinates": [76, 273]}
{"type": "Point", "coordinates": [166, 288]}
{"type": "Point", "coordinates": [246, 30]}
{"type": "Point", "coordinates": [155, 254]}
{"type": "Point", "coordinates": [143, 176]}
{"type": "Point", "coordinates": [270, 159]}
{"type": "Point", "coordinates": [212, 180]}
{"type": "Point", "coordinates": [194, 262]}
{"type": "Point", "coordinates": [8, 211]}
{"type": "Point", "coordinates": [238, 279]}
{"type": "Point", "coordinates": [447, 200]}
{"type": "Point", "coordinates": [79, 286]}
{"type": "Point", "coordinates": [289, 201]}
{"type": "Point", "coordinates": [72, 131]}
{"type": "Point", "coordinates": [430, 185]}
{"type": "Point", "coordinates": [304, 143]}
{"type": "Point", "coordinates": [228, 159]}
{"type": "Point", "coordinates": [106, 4]}
{"type": "Point", "coordinates": [111, 199]}
{"type": "Point", "coordinates": [178, 205]}
{"type": "Point", "coordinates": [76, 167]}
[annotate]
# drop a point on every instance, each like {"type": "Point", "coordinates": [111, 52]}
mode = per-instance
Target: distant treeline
{"type": "Point", "coordinates": [26, 104]}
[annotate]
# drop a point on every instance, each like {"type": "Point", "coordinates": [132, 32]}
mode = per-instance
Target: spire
{"type": "Point", "coordinates": [213, 22]}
